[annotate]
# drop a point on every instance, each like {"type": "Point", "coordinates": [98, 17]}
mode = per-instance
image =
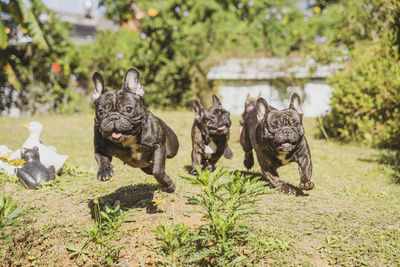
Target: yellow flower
{"type": "Point", "coordinates": [7, 30]}
{"type": "Point", "coordinates": [317, 9]}
{"type": "Point", "coordinates": [95, 201]}
{"type": "Point", "coordinates": [152, 12]}
{"type": "Point", "coordinates": [16, 162]}
{"type": "Point", "coordinates": [158, 202]}
{"type": "Point", "coordinates": [295, 32]}
{"type": "Point", "coordinates": [5, 156]}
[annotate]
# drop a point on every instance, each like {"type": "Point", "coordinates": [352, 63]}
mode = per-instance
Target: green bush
{"type": "Point", "coordinates": [177, 39]}
{"type": "Point", "coordinates": [41, 75]}
{"type": "Point", "coordinates": [366, 100]}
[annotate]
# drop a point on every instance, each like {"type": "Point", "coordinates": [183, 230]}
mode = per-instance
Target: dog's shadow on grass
{"type": "Point", "coordinates": [390, 158]}
{"type": "Point", "coordinates": [298, 190]}
{"type": "Point", "coordinates": [130, 197]}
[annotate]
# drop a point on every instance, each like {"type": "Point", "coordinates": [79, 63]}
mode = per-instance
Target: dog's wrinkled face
{"type": "Point", "coordinates": [282, 129]}
{"type": "Point", "coordinates": [119, 113]}
{"type": "Point", "coordinates": [215, 119]}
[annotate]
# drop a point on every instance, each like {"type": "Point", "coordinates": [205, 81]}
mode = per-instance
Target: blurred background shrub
{"type": "Point", "coordinates": [174, 43]}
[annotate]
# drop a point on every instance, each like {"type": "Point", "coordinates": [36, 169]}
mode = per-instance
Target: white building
{"type": "Point", "coordinates": [238, 77]}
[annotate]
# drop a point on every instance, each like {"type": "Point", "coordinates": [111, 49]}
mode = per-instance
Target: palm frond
{"type": "Point", "coordinates": [25, 16]}
{"type": "Point", "coordinates": [3, 35]}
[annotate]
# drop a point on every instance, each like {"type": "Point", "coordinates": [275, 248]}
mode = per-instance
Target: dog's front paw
{"type": "Point", "coordinates": [307, 185]}
{"type": "Point", "coordinates": [169, 189]}
{"type": "Point", "coordinates": [105, 173]}
{"type": "Point", "coordinates": [248, 162]}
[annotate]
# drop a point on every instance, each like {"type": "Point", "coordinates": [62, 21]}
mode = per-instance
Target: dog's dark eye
{"type": "Point", "coordinates": [128, 109]}
{"type": "Point", "coordinates": [295, 123]}
{"type": "Point", "coordinates": [273, 126]}
{"type": "Point", "coordinates": [100, 112]}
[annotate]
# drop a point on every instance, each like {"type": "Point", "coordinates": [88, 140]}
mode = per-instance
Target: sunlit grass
{"type": "Point", "coordinates": [350, 218]}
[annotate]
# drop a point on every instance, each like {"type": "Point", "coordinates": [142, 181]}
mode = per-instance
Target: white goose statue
{"type": "Point", "coordinates": [48, 154]}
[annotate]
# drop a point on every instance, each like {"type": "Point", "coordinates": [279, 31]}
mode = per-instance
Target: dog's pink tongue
{"type": "Point", "coordinates": [286, 144]}
{"type": "Point", "coordinates": [116, 135]}
{"type": "Point", "coordinates": [221, 128]}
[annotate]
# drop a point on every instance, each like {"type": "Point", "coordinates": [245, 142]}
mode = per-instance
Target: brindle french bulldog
{"type": "Point", "coordinates": [210, 135]}
{"type": "Point", "coordinates": [277, 136]}
{"type": "Point", "coordinates": [126, 129]}
{"type": "Point", "coordinates": [249, 105]}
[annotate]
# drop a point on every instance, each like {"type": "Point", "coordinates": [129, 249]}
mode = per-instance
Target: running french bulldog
{"type": "Point", "coordinates": [249, 105]}
{"type": "Point", "coordinates": [210, 135]}
{"type": "Point", "coordinates": [277, 137]}
{"type": "Point", "coordinates": [126, 129]}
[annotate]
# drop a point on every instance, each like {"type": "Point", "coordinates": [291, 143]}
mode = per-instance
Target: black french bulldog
{"type": "Point", "coordinates": [126, 129]}
{"type": "Point", "coordinates": [210, 135]}
{"type": "Point", "coordinates": [277, 136]}
{"type": "Point", "coordinates": [249, 105]}
{"type": "Point", "coordinates": [33, 171]}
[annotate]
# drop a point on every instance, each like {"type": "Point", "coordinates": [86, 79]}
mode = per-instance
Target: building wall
{"type": "Point", "coordinates": [315, 96]}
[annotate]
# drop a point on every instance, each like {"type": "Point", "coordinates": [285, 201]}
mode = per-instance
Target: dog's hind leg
{"type": "Point", "coordinates": [248, 149]}
{"type": "Point", "coordinates": [159, 170]}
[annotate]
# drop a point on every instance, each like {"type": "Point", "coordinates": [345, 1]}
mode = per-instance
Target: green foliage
{"type": "Point", "coordinates": [366, 100]}
{"type": "Point", "coordinates": [176, 241]}
{"type": "Point", "coordinates": [40, 70]}
{"type": "Point", "coordinates": [226, 199]}
{"type": "Point", "coordinates": [9, 210]}
{"type": "Point", "coordinates": [23, 16]}
{"type": "Point", "coordinates": [101, 237]}
{"type": "Point", "coordinates": [225, 204]}
{"type": "Point", "coordinates": [172, 45]}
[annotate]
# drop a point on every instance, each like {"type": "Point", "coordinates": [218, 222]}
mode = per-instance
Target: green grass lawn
{"type": "Point", "coordinates": [351, 218]}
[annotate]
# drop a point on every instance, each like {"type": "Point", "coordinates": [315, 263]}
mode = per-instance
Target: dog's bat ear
{"type": "Point", "coordinates": [262, 108]}
{"type": "Point", "coordinates": [99, 86]}
{"type": "Point", "coordinates": [198, 110]}
{"type": "Point", "coordinates": [132, 82]}
{"type": "Point", "coordinates": [216, 101]}
{"type": "Point", "coordinates": [295, 103]}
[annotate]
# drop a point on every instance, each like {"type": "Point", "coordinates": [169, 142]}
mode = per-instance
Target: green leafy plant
{"type": "Point", "coordinates": [225, 199]}
{"type": "Point", "coordinates": [101, 237]}
{"type": "Point", "coordinates": [225, 203]}
{"type": "Point", "coordinates": [78, 253]}
{"type": "Point", "coordinates": [9, 210]}
{"type": "Point", "coordinates": [105, 231]}
{"type": "Point", "coordinates": [176, 241]}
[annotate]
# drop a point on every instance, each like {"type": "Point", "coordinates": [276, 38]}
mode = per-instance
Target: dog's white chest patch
{"type": "Point", "coordinates": [210, 149]}
{"type": "Point", "coordinates": [282, 157]}
{"type": "Point", "coordinates": [131, 142]}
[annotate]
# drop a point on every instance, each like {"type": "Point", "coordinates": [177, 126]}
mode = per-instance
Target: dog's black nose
{"type": "Point", "coordinates": [114, 117]}
{"type": "Point", "coordinates": [286, 131]}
